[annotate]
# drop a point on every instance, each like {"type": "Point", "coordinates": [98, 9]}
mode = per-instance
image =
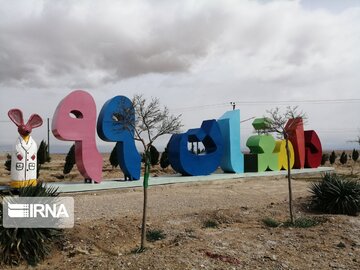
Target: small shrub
{"type": "Point", "coordinates": [332, 157]}
{"type": "Point", "coordinates": [324, 158]}
{"type": "Point", "coordinates": [154, 155]}
{"type": "Point", "coordinates": [336, 195]}
{"type": "Point", "coordinates": [69, 160]}
{"type": "Point", "coordinates": [302, 222]}
{"type": "Point", "coordinates": [270, 222]}
{"type": "Point", "coordinates": [155, 235]}
{"type": "Point", "coordinates": [8, 162]}
{"type": "Point", "coordinates": [29, 244]}
{"type": "Point", "coordinates": [164, 160]}
{"type": "Point", "coordinates": [210, 223]}
{"type": "Point", "coordinates": [343, 158]}
{"type": "Point", "coordinates": [355, 155]}
{"type": "Point", "coordinates": [113, 158]}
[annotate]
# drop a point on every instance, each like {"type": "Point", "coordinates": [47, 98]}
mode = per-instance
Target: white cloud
{"type": "Point", "coordinates": [187, 53]}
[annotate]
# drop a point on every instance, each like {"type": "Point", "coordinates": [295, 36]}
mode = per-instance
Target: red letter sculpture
{"type": "Point", "coordinates": [313, 149]}
{"type": "Point", "coordinates": [75, 120]}
{"type": "Point", "coordinates": [295, 130]}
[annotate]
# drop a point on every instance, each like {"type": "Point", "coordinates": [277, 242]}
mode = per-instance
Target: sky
{"type": "Point", "coordinates": [195, 56]}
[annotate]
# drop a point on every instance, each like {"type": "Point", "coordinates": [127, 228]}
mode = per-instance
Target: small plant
{"type": "Point", "coordinates": [210, 223]}
{"type": "Point", "coordinates": [355, 155]}
{"type": "Point", "coordinates": [343, 158]}
{"type": "Point", "coordinates": [155, 235]}
{"type": "Point", "coordinates": [324, 158]}
{"type": "Point", "coordinates": [270, 222]}
{"type": "Point", "coordinates": [332, 157]}
{"type": "Point", "coordinates": [29, 244]}
{"type": "Point", "coordinates": [164, 160]}
{"type": "Point", "coordinates": [302, 222]}
{"type": "Point", "coordinates": [113, 158]}
{"type": "Point", "coordinates": [8, 162]}
{"type": "Point", "coordinates": [336, 195]}
{"type": "Point", "coordinates": [154, 155]}
{"type": "Point", "coordinates": [69, 160]}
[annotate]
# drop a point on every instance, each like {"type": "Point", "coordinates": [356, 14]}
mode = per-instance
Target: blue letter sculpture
{"type": "Point", "coordinates": [188, 163]}
{"type": "Point", "coordinates": [232, 160]}
{"type": "Point", "coordinates": [116, 124]}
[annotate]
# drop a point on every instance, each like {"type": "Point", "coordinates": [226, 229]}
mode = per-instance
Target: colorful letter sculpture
{"type": "Point", "coordinates": [263, 146]}
{"type": "Point", "coordinates": [262, 155]}
{"type": "Point", "coordinates": [75, 120]}
{"type": "Point", "coordinates": [295, 128]}
{"type": "Point", "coordinates": [313, 149]}
{"type": "Point", "coordinates": [24, 157]}
{"type": "Point", "coordinates": [233, 159]}
{"type": "Point", "coordinates": [188, 163]}
{"type": "Point", "coordinates": [116, 123]}
{"type": "Point", "coordinates": [280, 149]}
{"type": "Point", "coordinates": [260, 123]}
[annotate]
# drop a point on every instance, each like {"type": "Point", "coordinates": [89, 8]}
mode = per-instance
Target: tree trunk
{"type": "Point", "coordinates": [145, 185]}
{"type": "Point", "coordinates": [289, 181]}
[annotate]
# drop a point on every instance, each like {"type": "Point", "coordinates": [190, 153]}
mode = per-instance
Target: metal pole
{"type": "Point", "coordinates": [48, 136]}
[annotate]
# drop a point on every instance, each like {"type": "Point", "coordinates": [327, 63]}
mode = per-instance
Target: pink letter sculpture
{"type": "Point", "coordinates": [23, 159]}
{"type": "Point", "coordinates": [75, 120]}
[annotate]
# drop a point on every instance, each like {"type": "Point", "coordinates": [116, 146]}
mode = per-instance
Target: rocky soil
{"type": "Point", "coordinates": [107, 229]}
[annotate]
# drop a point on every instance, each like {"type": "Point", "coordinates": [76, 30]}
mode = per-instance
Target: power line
{"type": "Point", "coordinates": [272, 102]}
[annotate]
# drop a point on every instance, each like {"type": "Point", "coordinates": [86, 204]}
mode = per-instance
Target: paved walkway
{"type": "Point", "coordinates": [71, 187]}
{"type": "Point", "coordinates": [172, 179]}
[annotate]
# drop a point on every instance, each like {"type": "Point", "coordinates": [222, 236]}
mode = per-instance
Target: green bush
{"type": "Point", "coordinates": [8, 162]}
{"type": "Point", "coordinates": [29, 244]}
{"type": "Point", "coordinates": [164, 160]}
{"type": "Point", "coordinates": [113, 158]}
{"type": "Point", "coordinates": [154, 155]}
{"type": "Point", "coordinates": [324, 158]}
{"type": "Point", "coordinates": [270, 222]}
{"type": "Point", "coordinates": [343, 158]}
{"type": "Point", "coordinates": [210, 223]}
{"type": "Point", "coordinates": [69, 160]}
{"type": "Point", "coordinates": [302, 222]}
{"type": "Point", "coordinates": [336, 195]}
{"type": "Point", "coordinates": [332, 157]}
{"type": "Point", "coordinates": [355, 155]}
{"type": "Point", "coordinates": [155, 235]}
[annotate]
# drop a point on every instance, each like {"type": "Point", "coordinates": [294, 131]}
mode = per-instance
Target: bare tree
{"type": "Point", "coordinates": [151, 121]}
{"type": "Point", "coordinates": [277, 122]}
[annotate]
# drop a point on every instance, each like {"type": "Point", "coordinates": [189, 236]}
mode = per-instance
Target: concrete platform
{"type": "Point", "coordinates": [108, 184]}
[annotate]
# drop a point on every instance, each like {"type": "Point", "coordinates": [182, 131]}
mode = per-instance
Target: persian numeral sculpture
{"type": "Point", "coordinates": [188, 163]}
{"type": "Point", "coordinates": [116, 123]}
{"type": "Point", "coordinates": [75, 120]}
{"type": "Point", "coordinates": [232, 160]}
{"type": "Point", "coordinates": [313, 149]}
{"type": "Point", "coordinates": [24, 157]}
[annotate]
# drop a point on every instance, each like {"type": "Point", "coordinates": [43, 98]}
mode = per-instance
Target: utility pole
{"type": "Point", "coordinates": [48, 136]}
{"type": "Point", "coordinates": [233, 104]}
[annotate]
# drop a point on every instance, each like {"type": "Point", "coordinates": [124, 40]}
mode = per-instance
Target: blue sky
{"type": "Point", "coordinates": [196, 56]}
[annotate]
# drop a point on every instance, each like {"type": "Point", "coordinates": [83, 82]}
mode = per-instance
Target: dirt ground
{"type": "Point", "coordinates": [107, 227]}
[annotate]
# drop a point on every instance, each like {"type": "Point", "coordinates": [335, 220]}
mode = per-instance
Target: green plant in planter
{"type": "Point", "coordinates": [29, 244]}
